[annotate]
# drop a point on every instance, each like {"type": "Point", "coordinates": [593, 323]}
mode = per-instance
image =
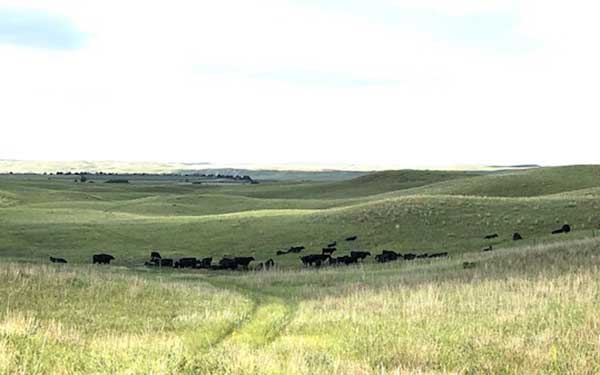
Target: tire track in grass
{"type": "Point", "coordinates": [265, 323]}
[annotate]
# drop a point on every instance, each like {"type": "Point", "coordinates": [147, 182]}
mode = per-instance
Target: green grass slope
{"type": "Point", "coordinates": [527, 183]}
{"type": "Point", "coordinates": [532, 310]}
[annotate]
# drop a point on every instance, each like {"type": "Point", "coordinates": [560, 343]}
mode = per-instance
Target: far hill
{"type": "Point", "coordinates": [527, 183]}
{"type": "Point", "coordinates": [370, 184]}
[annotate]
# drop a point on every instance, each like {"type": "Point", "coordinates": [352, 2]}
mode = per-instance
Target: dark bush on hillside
{"type": "Point", "coordinates": [117, 181]}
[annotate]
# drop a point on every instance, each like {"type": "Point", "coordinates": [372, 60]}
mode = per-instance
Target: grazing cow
{"type": "Point", "coordinates": [490, 236]}
{"type": "Point", "coordinates": [57, 260]}
{"type": "Point", "coordinates": [564, 229]}
{"type": "Point", "coordinates": [328, 250]}
{"type": "Point", "coordinates": [439, 255]}
{"type": "Point", "coordinates": [467, 265]}
{"type": "Point", "coordinates": [228, 263]}
{"type": "Point", "coordinates": [243, 261]}
{"type": "Point", "coordinates": [314, 259]}
{"type": "Point", "coordinates": [386, 256]}
{"type": "Point", "coordinates": [186, 263]}
{"type": "Point", "coordinates": [280, 252]}
{"type": "Point", "coordinates": [333, 244]}
{"type": "Point", "coordinates": [352, 238]}
{"type": "Point", "coordinates": [360, 254]}
{"type": "Point", "coordinates": [489, 248]}
{"type": "Point", "coordinates": [346, 259]}
{"type": "Point", "coordinates": [164, 262]}
{"type": "Point", "coordinates": [204, 263]}
{"type": "Point", "coordinates": [155, 255]}
{"type": "Point", "coordinates": [517, 236]}
{"type": "Point", "coordinates": [409, 256]}
{"type": "Point", "coordinates": [333, 261]}
{"type": "Point", "coordinates": [295, 249]}
{"type": "Point", "coordinates": [423, 256]}
{"type": "Point", "coordinates": [102, 258]}
{"type": "Point", "coordinates": [149, 264]}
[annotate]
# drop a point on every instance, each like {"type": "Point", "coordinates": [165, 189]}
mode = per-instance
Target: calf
{"type": "Point", "coordinates": [351, 238]}
{"type": "Point", "coordinates": [102, 258]}
{"type": "Point", "coordinates": [57, 260]}
{"type": "Point", "coordinates": [270, 263]}
{"type": "Point", "coordinates": [333, 244]}
{"type": "Point", "coordinates": [280, 252]}
{"type": "Point", "coordinates": [489, 248]}
{"type": "Point", "coordinates": [360, 254]}
{"type": "Point", "coordinates": [295, 249]}
{"type": "Point", "coordinates": [490, 236]}
{"type": "Point", "coordinates": [517, 237]}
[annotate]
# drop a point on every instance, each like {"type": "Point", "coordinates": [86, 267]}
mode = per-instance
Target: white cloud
{"type": "Point", "coordinates": [140, 90]}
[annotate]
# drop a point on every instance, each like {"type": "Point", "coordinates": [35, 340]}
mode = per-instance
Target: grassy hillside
{"type": "Point", "coordinates": [527, 183]}
{"type": "Point", "coordinates": [531, 310]}
{"type": "Point", "coordinates": [42, 217]}
{"type": "Point", "coordinates": [529, 307]}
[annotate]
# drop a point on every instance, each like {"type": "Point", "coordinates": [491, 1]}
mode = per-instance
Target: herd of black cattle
{"type": "Point", "coordinates": [316, 260]}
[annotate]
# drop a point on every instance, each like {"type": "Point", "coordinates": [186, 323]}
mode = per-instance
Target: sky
{"type": "Point", "coordinates": [379, 82]}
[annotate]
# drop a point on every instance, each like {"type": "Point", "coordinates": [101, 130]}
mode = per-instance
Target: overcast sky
{"type": "Point", "coordinates": [387, 82]}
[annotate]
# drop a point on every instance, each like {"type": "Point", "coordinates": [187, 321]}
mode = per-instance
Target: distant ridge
{"type": "Point", "coordinates": [515, 166]}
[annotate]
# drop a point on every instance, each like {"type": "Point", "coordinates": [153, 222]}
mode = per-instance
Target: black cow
{"type": "Point", "coordinates": [333, 244]}
{"type": "Point", "coordinates": [409, 256]}
{"type": "Point", "coordinates": [280, 252]}
{"type": "Point", "coordinates": [351, 238]}
{"type": "Point", "coordinates": [386, 256]}
{"type": "Point", "coordinates": [57, 260]}
{"type": "Point", "coordinates": [490, 236]}
{"type": "Point", "coordinates": [346, 259]}
{"type": "Point", "coordinates": [360, 254]}
{"type": "Point", "coordinates": [564, 229]}
{"type": "Point", "coordinates": [314, 259]}
{"type": "Point", "coordinates": [102, 258]}
{"type": "Point", "coordinates": [423, 256]}
{"type": "Point", "coordinates": [439, 255]}
{"type": "Point", "coordinates": [489, 248]}
{"type": "Point", "coordinates": [164, 262]}
{"type": "Point", "coordinates": [517, 237]}
{"type": "Point", "coordinates": [204, 263]}
{"type": "Point", "coordinates": [186, 263]}
{"type": "Point", "coordinates": [333, 261]}
{"type": "Point", "coordinates": [295, 249]}
{"type": "Point", "coordinates": [328, 250]}
{"type": "Point", "coordinates": [266, 265]}
{"type": "Point", "coordinates": [227, 263]}
{"type": "Point", "coordinates": [155, 255]}
{"type": "Point", "coordinates": [243, 261]}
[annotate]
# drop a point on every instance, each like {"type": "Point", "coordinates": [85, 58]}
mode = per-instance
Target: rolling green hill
{"type": "Point", "coordinates": [409, 211]}
{"type": "Point", "coordinates": [529, 307]}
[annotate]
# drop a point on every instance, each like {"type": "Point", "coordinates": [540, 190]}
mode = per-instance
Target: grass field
{"type": "Point", "coordinates": [528, 307]}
